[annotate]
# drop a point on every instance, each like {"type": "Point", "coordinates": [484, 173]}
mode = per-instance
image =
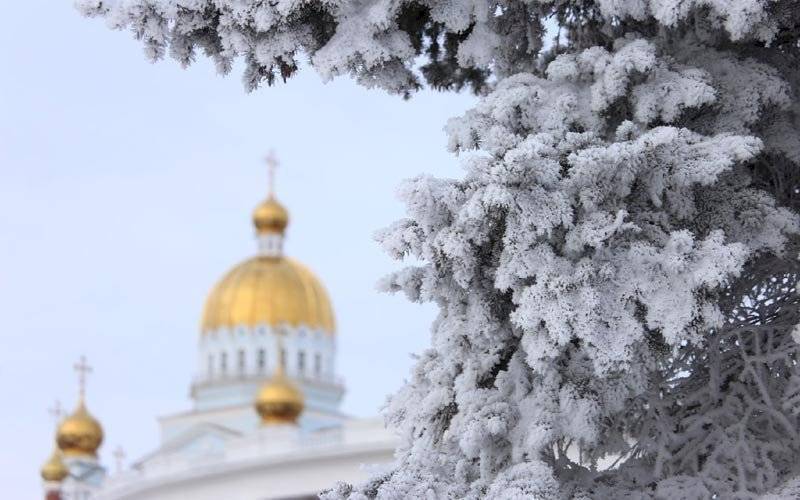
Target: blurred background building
{"type": "Point", "coordinates": [265, 420]}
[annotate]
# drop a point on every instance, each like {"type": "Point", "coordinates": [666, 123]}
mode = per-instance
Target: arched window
{"type": "Point", "coordinates": [301, 362]}
{"type": "Point", "coordinates": [262, 360]}
{"type": "Point", "coordinates": [223, 363]}
{"type": "Point", "coordinates": [282, 361]}
{"type": "Point", "coordinates": [241, 361]}
{"type": "Point", "coordinates": [318, 365]}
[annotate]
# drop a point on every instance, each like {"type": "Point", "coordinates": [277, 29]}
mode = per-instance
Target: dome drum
{"type": "Point", "coordinates": [253, 353]}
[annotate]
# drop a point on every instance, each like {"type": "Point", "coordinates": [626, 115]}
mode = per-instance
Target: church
{"type": "Point", "coordinates": [264, 421]}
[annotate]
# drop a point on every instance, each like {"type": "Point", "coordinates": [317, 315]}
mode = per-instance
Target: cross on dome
{"type": "Point", "coordinates": [56, 411]}
{"type": "Point", "coordinates": [272, 164]}
{"type": "Point", "coordinates": [80, 434]}
{"type": "Point", "coordinates": [119, 457]}
{"type": "Point", "coordinates": [82, 368]}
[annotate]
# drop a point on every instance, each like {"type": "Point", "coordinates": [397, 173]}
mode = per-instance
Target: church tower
{"type": "Point", "coordinates": [268, 319]}
{"type": "Point", "coordinates": [264, 422]}
{"type": "Point", "coordinates": [73, 471]}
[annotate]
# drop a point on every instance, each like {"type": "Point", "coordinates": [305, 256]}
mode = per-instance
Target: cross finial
{"type": "Point", "coordinates": [83, 368]}
{"type": "Point", "coordinates": [119, 456]}
{"type": "Point", "coordinates": [272, 164]}
{"type": "Point", "coordinates": [56, 411]}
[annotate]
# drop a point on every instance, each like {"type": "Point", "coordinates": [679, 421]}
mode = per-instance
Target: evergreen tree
{"type": "Point", "coordinates": [615, 272]}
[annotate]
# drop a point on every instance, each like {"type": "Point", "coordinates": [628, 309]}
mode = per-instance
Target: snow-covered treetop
{"type": "Point", "coordinates": [601, 277]}
{"type": "Point", "coordinates": [382, 43]}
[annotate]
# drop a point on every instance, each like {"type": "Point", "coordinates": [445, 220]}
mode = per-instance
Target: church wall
{"type": "Point", "coordinates": [274, 462]}
{"type": "Point", "coordinates": [262, 481]}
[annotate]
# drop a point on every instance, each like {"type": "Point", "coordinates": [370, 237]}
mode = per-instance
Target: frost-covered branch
{"type": "Point", "coordinates": [379, 42]}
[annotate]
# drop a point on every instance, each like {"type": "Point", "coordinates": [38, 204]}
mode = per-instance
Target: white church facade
{"type": "Point", "coordinates": [265, 420]}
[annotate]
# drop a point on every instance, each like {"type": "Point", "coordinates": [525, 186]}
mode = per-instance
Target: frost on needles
{"type": "Point", "coordinates": [615, 271]}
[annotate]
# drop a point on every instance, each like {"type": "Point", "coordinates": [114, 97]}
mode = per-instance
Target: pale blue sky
{"type": "Point", "coordinates": [125, 193]}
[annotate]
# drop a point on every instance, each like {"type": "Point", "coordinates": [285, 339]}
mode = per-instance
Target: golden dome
{"type": "Point", "coordinates": [279, 401]}
{"type": "Point", "coordinates": [54, 469]}
{"type": "Point", "coordinates": [270, 217]}
{"type": "Point", "coordinates": [268, 290]}
{"type": "Point", "coordinates": [80, 434]}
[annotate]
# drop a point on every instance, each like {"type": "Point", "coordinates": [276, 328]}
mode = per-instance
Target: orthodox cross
{"type": "Point", "coordinates": [272, 164]}
{"type": "Point", "coordinates": [119, 456]}
{"type": "Point", "coordinates": [56, 411]}
{"type": "Point", "coordinates": [83, 368]}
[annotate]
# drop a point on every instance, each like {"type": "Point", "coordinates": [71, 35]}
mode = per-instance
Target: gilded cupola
{"type": "Point", "coordinates": [54, 470]}
{"type": "Point", "coordinates": [279, 401]}
{"type": "Point", "coordinates": [270, 216]}
{"type": "Point", "coordinates": [271, 291]}
{"type": "Point", "coordinates": [80, 434]}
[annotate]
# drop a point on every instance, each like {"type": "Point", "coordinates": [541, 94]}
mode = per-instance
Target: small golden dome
{"type": "Point", "coordinates": [268, 290]}
{"type": "Point", "coordinates": [279, 401]}
{"type": "Point", "coordinates": [80, 434]}
{"type": "Point", "coordinates": [54, 469]}
{"type": "Point", "coordinates": [270, 217]}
